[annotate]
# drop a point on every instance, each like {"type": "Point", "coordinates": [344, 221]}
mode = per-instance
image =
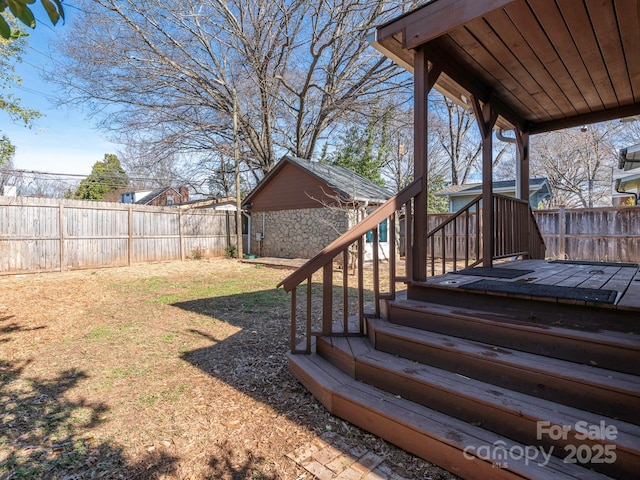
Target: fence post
{"type": "Point", "coordinates": [130, 249]}
{"type": "Point", "coordinates": [180, 234]}
{"type": "Point", "coordinates": [61, 227]}
{"type": "Point", "coordinates": [562, 232]}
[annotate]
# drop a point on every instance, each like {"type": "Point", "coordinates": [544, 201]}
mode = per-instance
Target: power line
{"type": "Point", "coordinates": [67, 177]}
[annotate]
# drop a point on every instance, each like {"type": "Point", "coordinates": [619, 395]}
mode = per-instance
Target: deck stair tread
{"type": "Point", "coordinates": [609, 349]}
{"type": "Point", "coordinates": [606, 392]}
{"type": "Point", "coordinates": [420, 430]}
{"type": "Point", "coordinates": [549, 366]}
{"type": "Point", "coordinates": [495, 317]}
{"type": "Point", "coordinates": [432, 385]}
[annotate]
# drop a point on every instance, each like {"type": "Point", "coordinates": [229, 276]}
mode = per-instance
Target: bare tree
{"type": "Point", "coordinates": [578, 163]}
{"type": "Point", "coordinates": [174, 70]}
{"type": "Point", "coordinates": [630, 131]}
{"type": "Point", "coordinates": [398, 171]}
{"type": "Point", "coordinates": [458, 136]}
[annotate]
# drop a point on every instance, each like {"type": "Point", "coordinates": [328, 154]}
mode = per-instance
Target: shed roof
{"type": "Point", "coordinates": [544, 64]}
{"type": "Point", "coordinates": [348, 184]}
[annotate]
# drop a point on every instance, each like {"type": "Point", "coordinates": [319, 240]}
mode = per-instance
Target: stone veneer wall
{"type": "Point", "coordinates": [298, 233]}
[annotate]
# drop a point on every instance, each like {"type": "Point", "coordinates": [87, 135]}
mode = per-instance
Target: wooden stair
{"type": "Point", "coordinates": [453, 385]}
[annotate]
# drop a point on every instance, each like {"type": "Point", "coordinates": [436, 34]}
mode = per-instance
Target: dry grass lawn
{"type": "Point", "coordinates": [172, 370]}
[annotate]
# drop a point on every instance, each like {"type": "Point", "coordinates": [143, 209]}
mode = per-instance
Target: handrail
{"type": "Point", "coordinates": [347, 238]}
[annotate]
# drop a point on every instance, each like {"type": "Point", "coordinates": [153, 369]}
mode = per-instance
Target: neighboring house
{"type": "Point", "coordinates": [165, 196]}
{"type": "Point", "coordinates": [301, 206]}
{"type": "Point", "coordinates": [627, 186]}
{"type": "Point", "coordinates": [134, 196]}
{"type": "Point", "coordinates": [460, 195]}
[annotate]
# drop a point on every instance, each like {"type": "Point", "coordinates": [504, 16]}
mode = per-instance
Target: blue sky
{"type": "Point", "coordinates": [63, 140]}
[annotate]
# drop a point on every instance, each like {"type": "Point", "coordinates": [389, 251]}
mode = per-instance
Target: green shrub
{"type": "Point", "coordinates": [197, 253]}
{"type": "Point", "coordinates": [230, 251]}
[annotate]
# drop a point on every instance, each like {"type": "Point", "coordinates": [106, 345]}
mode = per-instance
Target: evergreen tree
{"type": "Point", "coordinates": [436, 204]}
{"type": "Point", "coordinates": [362, 150]}
{"type": "Point", "coordinates": [7, 150]}
{"type": "Point", "coordinates": [106, 176]}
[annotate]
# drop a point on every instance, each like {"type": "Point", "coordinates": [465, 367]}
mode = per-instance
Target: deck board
{"type": "Point", "coordinates": [603, 277]}
{"type": "Point", "coordinates": [631, 297]}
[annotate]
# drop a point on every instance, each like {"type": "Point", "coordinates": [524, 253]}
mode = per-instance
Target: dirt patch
{"type": "Point", "coordinates": [172, 370]}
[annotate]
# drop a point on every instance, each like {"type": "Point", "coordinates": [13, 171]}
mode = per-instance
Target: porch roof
{"type": "Point", "coordinates": [545, 65]}
{"type": "Point", "coordinates": [629, 158]}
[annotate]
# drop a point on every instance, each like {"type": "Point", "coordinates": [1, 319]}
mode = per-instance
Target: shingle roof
{"type": "Point", "coordinates": [350, 184]}
{"type": "Point", "coordinates": [476, 188]}
{"type": "Point", "coordinates": [150, 196]}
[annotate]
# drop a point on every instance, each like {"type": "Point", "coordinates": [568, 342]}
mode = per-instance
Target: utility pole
{"type": "Point", "coordinates": [236, 156]}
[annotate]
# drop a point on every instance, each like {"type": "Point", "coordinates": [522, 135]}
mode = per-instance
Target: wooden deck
{"type": "Point", "coordinates": [625, 280]}
{"type": "Point", "coordinates": [446, 370]}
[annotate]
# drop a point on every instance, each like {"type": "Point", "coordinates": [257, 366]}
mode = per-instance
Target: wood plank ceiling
{"type": "Point", "coordinates": [550, 64]}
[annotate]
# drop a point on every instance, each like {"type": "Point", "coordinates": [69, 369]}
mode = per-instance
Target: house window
{"type": "Point", "coordinates": [382, 233]}
{"type": "Point", "coordinates": [170, 200]}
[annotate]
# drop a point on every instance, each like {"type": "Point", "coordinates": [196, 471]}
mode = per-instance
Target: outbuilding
{"type": "Point", "coordinates": [303, 205]}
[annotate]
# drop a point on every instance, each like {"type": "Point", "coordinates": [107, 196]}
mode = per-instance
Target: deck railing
{"type": "Point", "coordinates": [456, 242]}
{"type": "Point", "coordinates": [351, 315]}
{"type": "Point", "coordinates": [516, 231]}
{"type": "Point", "coordinates": [342, 307]}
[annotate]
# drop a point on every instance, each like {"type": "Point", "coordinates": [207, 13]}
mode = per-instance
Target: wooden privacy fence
{"type": "Point", "coordinates": [40, 234]}
{"type": "Point", "coordinates": [604, 234]}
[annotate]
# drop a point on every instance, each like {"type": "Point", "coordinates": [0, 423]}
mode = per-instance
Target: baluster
{"type": "Point", "coordinates": [292, 343]}
{"type": "Point", "coordinates": [361, 284]}
{"type": "Point", "coordinates": [444, 250]}
{"type": "Point", "coordinates": [345, 291]}
{"type": "Point", "coordinates": [467, 239]}
{"type": "Point", "coordinates": [327, 298]}
{"type": "Point", "coordinates": [433, 260]}
{"type": "Point", "coordinates": [376, 271]}
{"type": "Point", "coordinates": [408, 237]}
{"type": "Point", "coordinates": [455, 245]}
{"type": "Point", "coordinates": [478, 230]}
{"type": "Point", "coordinates": [391, 232]}
{"type": "Point", "coordinates": [309, 327]}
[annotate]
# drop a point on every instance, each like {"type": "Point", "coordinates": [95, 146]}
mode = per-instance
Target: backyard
{"type": "Point", "coordinates": [166, 370]}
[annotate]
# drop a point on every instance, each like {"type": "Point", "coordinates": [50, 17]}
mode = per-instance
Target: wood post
{"type": "Point", "coordinates": [130, 244]}
{"type": "Point", "coordinates": [420, 159]}
{"type": "Point", "coordinates": [522, 144]}
{"type": "Point", "coordinates": [182, 252]}
{"type": "Point", "coordinates": [486, 118]}
{"type": "Point", "coordinates": [562, 232]}
{"type": "Point", "coordinates": [424, 80]}
{"type": "Point", "coordinates": [62, 226]}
